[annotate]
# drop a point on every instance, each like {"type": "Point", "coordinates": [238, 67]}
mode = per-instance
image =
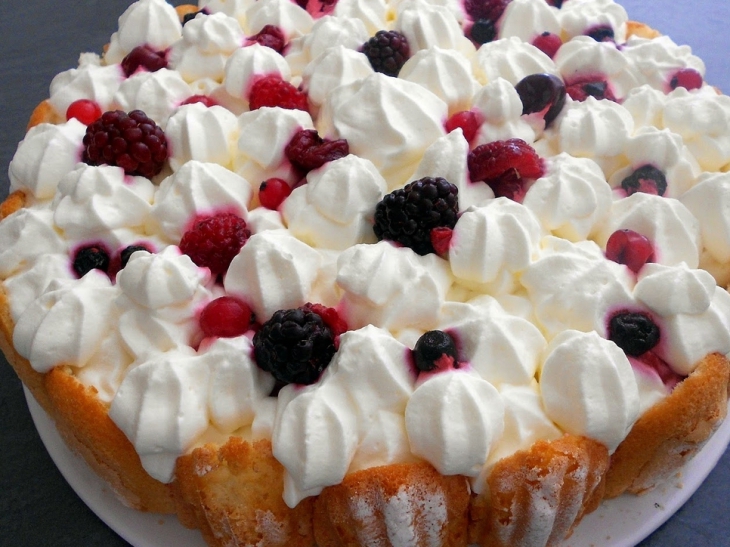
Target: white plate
{"type": "Point", "coordinates": [621, 522]}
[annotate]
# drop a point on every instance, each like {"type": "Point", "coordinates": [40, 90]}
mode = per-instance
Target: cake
{"type": "Point", "coordinates": [557, 335]}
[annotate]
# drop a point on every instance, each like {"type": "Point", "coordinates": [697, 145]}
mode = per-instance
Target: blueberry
{"type": "Point", "coordinates": [431, 348]}
{"type": "Point", "coordinates": [91, 257]}
{"type": "Point", "coordinates": [483, 31]}
{"type": "Point", "coordinates": [635, 333]}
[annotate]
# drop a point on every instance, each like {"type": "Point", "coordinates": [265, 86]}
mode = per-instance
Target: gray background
{"type": "Point", "coordinates": [38, 39]}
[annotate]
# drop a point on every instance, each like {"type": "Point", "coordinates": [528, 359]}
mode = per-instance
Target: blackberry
{"type": "Point", "coordinates": [483, 31]}
{"type": "Point", "coordinates": [131, 141]}
{"type": "Point", "coordinates": [431, 348]}
{"type": "Point", "coordinates": [635, 333]}
{"type": "Point", "coordinates": [408, 215]}
{"type": "Point", "coordinates": [295, 346]}
{"type": "Point", "coordinates": [127, 253]}
{"type": "Point", "coordinates": [647, 179]}
{"type": "Point", "coordinates": [91, 257]}
{"type": "Point", "coordinates": [387, 51]}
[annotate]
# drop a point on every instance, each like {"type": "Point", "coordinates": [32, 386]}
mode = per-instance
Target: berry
{"type": "Point", "coordinates": [441, 239]}
{"type": "Point", "coordinates": [295, 346]}
{"type": "Point", "coordinates": [556, 3]}
{"type": "Point", "coordinates": [91, 257]}
{"type": "Point", "coordinates": [483, 31]}
{"type": "Point", "coordinates": [647, 179]}
{"type": "Point", "coordinates": [272, 91]}
{"type": "Point", "coordinates": [214, 241]}
{"type": "Point", "coordinates": [548, 43]}
{"type": "Point", "coordinates": [387, 51]}
{"type": "Point", "coordinates": [467, 120]}
{"type": "Point", "coordinates": [687, 78]}
{"type": "Point", "coordinates": [131, 141]}
{"type": "Point", "coordinates": [435, 350]}
{"type": "Point", "coordinates": [504, 166]}
{"type": "Point", "coordinates": [601, 33]}
{"type": "Point", "coordinates": [127, 253]}
{"type": "Point", "coordinates": [273, 192]}
{"type": "Point", "coordinates": [143, 57]}
{"type": "Point", "coordinates": [202, 99]}
{"type": "Point", "coordinates": [408, 215]}
{"type": "Point", "coordinates": [542, 93]}
{"type": "Point", "coordinates": [225, 317]}
{"type": "Point", "coordinates": [630, 248]}
{"type": "Point", "coordinates": [635, 333]}
{"type": "Point", "coordinates": [270, 36]}
{"type": "Point", "coordinates": [485, 9]}
{"type": "Point", "coordinates": [84, 110]}
{"type": "Point", "coordinates": [192, 15]}
{"type": "Point", "coordinates": [331, 318]}
{"type": "Point", "coordinates": [590, 87]}
{"type": "Point", "coordinates": [307, 150]}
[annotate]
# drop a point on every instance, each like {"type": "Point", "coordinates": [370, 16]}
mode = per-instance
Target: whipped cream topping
{"type": "Point", "coordinates": [27, 236]}
{"type": "Point", "coordinates": [525, 19]}
{"type": "Point", "coordinates": [511, 59]}
{"type": "Point", "coordinates": [581, 16]}
{"type": "Point", "coordinates": [247, 64]}
{"type": "Point", "coordinates": [90, 81]}
{"type": "Point", "coordinates": [157, 94]}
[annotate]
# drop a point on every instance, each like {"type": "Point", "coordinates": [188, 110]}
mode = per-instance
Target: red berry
{"type": "Point", "coordinates": [84, 110]}
{"type": "Point", "coordinates": [131, 141]}
{"type": "Point", "coordinates": [330, 317]}
{"type": "Point", "coordinates": [485, 9]}
{"type": "Point", "coordinates": [143, 57]}
{"type": "Point", "coordinates": [270, 36]}
{"type": "Point", "coordinates": [273, 192]}
{"type": "Point", "coordinates": [586, 87]}
{"type": "Point", "coordinates": [202, 99]}
{"type": "Point", "coordinates": [630, 248]}
{"type": "Point", "coordinates": [307, 150]}
{"type": "Point", "coordinates": [687, 78]}
{"type": "Point", "coordinates": [273, 91]}
{"type": "Point", "coordinates": [548, 43]}
{"type": "Point", "coordinates": [225, 317]}
{"type": "Point", "coordinates": [440, 240]}
{"type": "Point", "coordinates": [468, 121]}
{"type": "Point", "coordinates": [504, 166]}
{"type": "Point", "coordinates": [214, 241]}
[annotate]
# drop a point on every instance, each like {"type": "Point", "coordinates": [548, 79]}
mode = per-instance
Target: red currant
{"type": "Point", "coordinates": [630, 248]}
{"type": "Point", "coordinates": [84, 110]}
{"type": "Point", "coordinates": [225, 317]}
{"type": "Point", "coordinates": [467, 120]}
{"type": "Point", "coordinates": [273, 192]}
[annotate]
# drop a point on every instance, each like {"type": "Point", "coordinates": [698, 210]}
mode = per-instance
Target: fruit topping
{"type": "Point", "coordinates": [192, 15]}
{"type": "Point", "coordinates": [295, 346]}
{"type": "Point", "coordinates": [225, 317]}
{"type": "Point", "coordinates": [483, 31]}
{"type": "Point", "coordinates": [143, 57]}
{"type": "Point", "coordinates": [213, 241]}
{"type": "Point", "coordinates": [603, 33]}
{"type": "Point", "coordinates": [269, 36]}
{"type": "Point", "coordinates": [317, 8]}
{"type": "Point", "coordinates": [127, 253]}
{"type": "Point", "coordinates": [467, 120]}
{"type": "Point", "coordinates": [590, 87]}
{"type": "Point", "coordinates": [307, 150]}
{"type": "Point", "coordinates": [485, 9]}
{"type": "Point", "coordinates": [687, 78]}
{"type": "Point", "coordinates": [647, 179]}
{"type": "Point", "coordinates": [84, 110]}
{"type": "Point", "coordinates": [91, 257]}
{"type": "Point", "coordinates": [408, 215]}
{"type": "Point", "coordinates": [202, 99]}
{"type": "Point", "coordinates": [630, 248]}
{"type": "Point", "coordinates": [548, 43]}
{"type": "Point", "coordinates": [542, 93]}
{"type": "Point", "coordinates": [555, 3]}
{"type": "Point", "coordinates": [387, 51]}
{"type": "Point", "coordinates": [331, 318]}
{"type": "Point", "coordinates": [634, 332]}
{"type": "Point", "coordinates": [131, 141]}
{"type": "Point", "coordinates": [435, 350]}
{"type": "Point", "coordinates": [441, 239]}
{"type": "Point", "coordinates": [272, 91]}
{"type": "Point", "coordinates": [273, 192]}
{"type": "Point", "coordinates": [505, 166]}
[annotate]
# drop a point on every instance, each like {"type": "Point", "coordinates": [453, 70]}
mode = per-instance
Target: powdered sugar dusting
{"type": "Point", "coordinates": [415, 517]}
{"type": "Point", "coordinates": [271, 530]}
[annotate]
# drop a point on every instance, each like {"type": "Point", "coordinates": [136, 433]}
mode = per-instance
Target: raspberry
{"type": "Point", "coordinates": [548, 43]}
{"type": "Point", "coordinates": [647, 179]}
{"type": "Point", "coordinates": [133, 142]}
{"type": "Point", "coordinates": [468, 121]}
{"type": "Point", "coordinates": [435, 350]}
{"type": "Point", "coordinates": [272, 91]}
{"type": "Point", "coordinates": [687, 78]}
{"type": "Point", "coordinates": [225, 317]}
{"type": "Point", "coordinates": [91, 257]}
{"type": "Point", "coordinates": [307, 150]}
{"type": "Point", "coordinates": [202, 99]}
{"type": "Point", "coordinates": [542, 93]}
{"type": "Point", "coordinates": [441, 239]}
{"type": "Point", "coordinates": [483, 31]}
{"type": "Point", "coordinates": [143, 57]}
{"type": "Point", "coordinates": [485, 9]}
{"type": "Point", "coordinates": [273, 192]}
{"type": "Point", "coordinates": [269, 36]}
{"type": "Point", "coordinates": [635, 333]}
{"type": "Point", "coordinates": [590, 87]}
{"type": "Point", "coordinates": [630, 248]}
{"type": "Point", "coordinates": [214, 241]}
{"type": "Point", "coordinates": [84, 110]}
{"type": "Point", "coordinates": [295, 346]}
{"type": "Point", "coordinates": [504, 166]}
{"type": "Point", "coordinates": [387, 52]}
{"type": "Point", "coordinates": [409, 215]}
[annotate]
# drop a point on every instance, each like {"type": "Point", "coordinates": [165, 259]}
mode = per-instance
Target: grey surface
{"type": "Point", "coordinates": [39, 38]}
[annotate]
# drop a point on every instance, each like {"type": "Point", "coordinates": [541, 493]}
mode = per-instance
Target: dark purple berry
{"type": "Point", "coordinates": [190, 16]}
{"type": "Point", "coordinates": [91, 257]}
{"type": "Point", "coordinates": [602, 33]}
{"type": "Point", "coordinates": [542, 93]}
{"type": "Point", "coordinates": [483, 31]}
{"type": "Point", "coordinates": [485, 9]}
{"type": "Point", "coordinates": [435, 350]}
{"type": "Point", "coordinates": [387, 52]}
{"type": "Point", "coordinates": [143, 57]}
{"type": "Point", "coordinates": [127, 253]}
{"type": "Point", "coordinates": [409, 214]}
{"type": "Point", "coordinates": [270, 36]}
{"type": "Point", "coordinates": [647, 179]}
{"type": "Point", "coordinates": [295, 346]}
{"type": "Point", "coordinates": [635, 333]}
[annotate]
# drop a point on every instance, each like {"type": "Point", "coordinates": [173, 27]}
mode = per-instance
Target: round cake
{"type": "Point", "coordinates": [416, 272]}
